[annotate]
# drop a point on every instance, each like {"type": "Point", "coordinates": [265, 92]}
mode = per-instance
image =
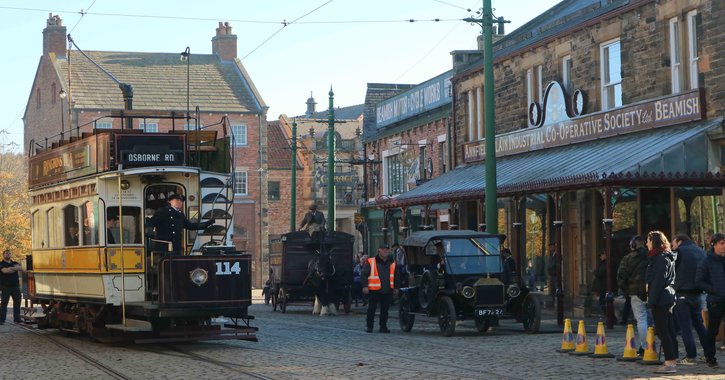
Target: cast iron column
{"type": "Point", "coordinates": [559, 266]}
{"type": "Point", "coordinates": [608, 221]}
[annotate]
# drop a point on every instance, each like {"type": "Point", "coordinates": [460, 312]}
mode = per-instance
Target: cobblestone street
{"type": "Point", "coordinates": [298, 345]}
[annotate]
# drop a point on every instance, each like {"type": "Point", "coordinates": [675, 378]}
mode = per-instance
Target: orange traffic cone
{"type": "Point", "coordinates": [567, 339]}
{"type": "Point", "coordinates": [600, 347]}
{"type": "Point", "coordinates": [582, 346]}
{"type": "Point", "coordinates": [630, 346]}
{"type": "Point", "coordinates": [650, 354]}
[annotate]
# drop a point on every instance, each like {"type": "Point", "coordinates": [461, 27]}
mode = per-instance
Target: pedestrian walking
{"type": "Point", "coordinates": [632, 283]}
{"type": "Point", "coordinates": [661, 296]}
{"type": "Point", "coordinates": [687, 295]}
{"type": "Point", "coordinates": [379, 279]}
{"type": "Point", "coordinates": [600, 282]}
{"type": "Point", "coordinates": [10, 286]}
{"type": "Point", "coordinates": [710, 277]}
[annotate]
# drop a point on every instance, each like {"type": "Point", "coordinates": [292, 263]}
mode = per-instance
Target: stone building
{"type": "Point", "coordinates": [601, 134]}
{"type": "Point", "coordinates": [71, 95]}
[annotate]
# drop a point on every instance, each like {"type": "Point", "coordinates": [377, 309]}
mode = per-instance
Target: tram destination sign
{"type": "Point", "coordinates": [150, 149]}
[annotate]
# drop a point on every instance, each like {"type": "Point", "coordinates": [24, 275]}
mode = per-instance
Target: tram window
{"type": "Point", "coordinates": [39, 231]}
{"type": "Point", "coordinates": [126, 223]}
{"type": "Point", "coordinates": [72, 228]}
{"type": "Point", "coordinates": [55, 229]}
{"type": "Point", "coordinates": [89, 215]}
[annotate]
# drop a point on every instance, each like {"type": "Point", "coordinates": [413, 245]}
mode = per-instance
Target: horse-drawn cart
{"type": "Point", "coordinates": [306, 268]}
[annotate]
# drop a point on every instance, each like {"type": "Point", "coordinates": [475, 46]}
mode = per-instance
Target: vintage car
{"type": "Point", "coordinates": [458, 275]}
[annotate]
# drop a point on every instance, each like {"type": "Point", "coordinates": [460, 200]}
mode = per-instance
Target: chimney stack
{"type": "Point", "coordinates": [54, 37]}
{"type": "Point", "coordinates": [224, 44]}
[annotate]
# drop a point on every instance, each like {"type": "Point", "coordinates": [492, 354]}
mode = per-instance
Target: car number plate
{"type": "Point", "coordinates": [489, 312]}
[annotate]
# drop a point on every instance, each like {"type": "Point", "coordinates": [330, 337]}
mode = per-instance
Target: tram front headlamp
{"type": "Point", "coordinates": [125, 184]}
{"type": "Point", "coordinates": [199, 276]}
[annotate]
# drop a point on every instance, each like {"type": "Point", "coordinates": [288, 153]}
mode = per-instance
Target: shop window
{"type": "Point", "coordinates": [611, 74]}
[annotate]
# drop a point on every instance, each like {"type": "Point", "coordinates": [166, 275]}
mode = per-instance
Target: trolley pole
{"type": "Point", "coordinates": [486, 22]}
{"type": "Point", "coordinates": [331, 164]}
{"type": "Point", "coordinates": [293, 190]}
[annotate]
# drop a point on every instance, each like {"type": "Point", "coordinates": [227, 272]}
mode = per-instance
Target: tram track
{"type": "Point", "coordinates": [111, 372]}
{"type": "Point", "coordinates": [234, 367]}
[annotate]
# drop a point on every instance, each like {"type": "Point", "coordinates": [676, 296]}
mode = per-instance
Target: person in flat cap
{"type": "Point", "coordinates": [314, 222]}
{"type": "Point", "coordinates": [168, 223]}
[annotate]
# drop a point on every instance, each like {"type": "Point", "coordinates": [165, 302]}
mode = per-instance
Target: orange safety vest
{"type": "Point", "coordinates": [374, 280]}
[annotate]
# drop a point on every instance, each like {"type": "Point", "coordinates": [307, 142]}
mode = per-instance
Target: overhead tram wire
{"type": "Point", "coordinates": [82, 13]}
{"type": "Point", "coordinates": [243, 21]}
{"type": "Point", "coordinates": [284, 25]}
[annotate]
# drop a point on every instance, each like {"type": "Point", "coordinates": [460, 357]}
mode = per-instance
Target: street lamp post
{"type": "Point", "coordinates": [186, 57]}
{"type": "Point", "coordinates": [331, 164]}
{"type": "Point", "coordinates": [62, 95]}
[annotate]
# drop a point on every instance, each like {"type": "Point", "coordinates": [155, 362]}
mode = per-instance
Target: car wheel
{"type": "Point", "coordinates": [531, 314]}
{"type": "Point", "coordinates": [483, 325]}
{"type": "Point", "coordinates": [405, 318]}
{"type": "Point", "coordinates": [446, 316]}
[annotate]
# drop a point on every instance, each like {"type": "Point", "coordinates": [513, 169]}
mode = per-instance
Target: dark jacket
{"type": "Point", "coordinates": [316, 217]}
{"type": "Point", "coordinates": [661, 280]}
{"type": "Point", "coordinates": [9, 280]}
{"type": "Point", "coordinates": [169, 224]}
{"type": "Point", "coordinates": [600, 277]}
{"type": "Point", "coordinates": [631, 273]}
{"type": "Point", "coordinates": [383, 273]}
{"type": "Point", "coordinates": [710, 277]}
{"type": "Point", "coordinates": [689, 256]}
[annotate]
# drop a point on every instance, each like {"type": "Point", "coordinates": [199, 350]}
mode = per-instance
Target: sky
{"type": "Point", "coordinates": [338, 44]}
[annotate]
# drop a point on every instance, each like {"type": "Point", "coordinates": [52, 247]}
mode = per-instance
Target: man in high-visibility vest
{"type": "Point", "coordinates": [379, 278]}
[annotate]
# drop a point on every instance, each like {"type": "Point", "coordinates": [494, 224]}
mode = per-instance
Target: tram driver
{"type": "Point", "coordinates": [169, 222]}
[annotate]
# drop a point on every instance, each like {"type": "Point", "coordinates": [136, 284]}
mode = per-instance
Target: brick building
{"type": "Point", "coordinates": [70, 95]}
{"type": "Point", "coordinates": [601, 133]}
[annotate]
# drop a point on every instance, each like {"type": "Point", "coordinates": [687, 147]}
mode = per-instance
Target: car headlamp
{"type": "Point", "coordinates": [513, 291]}
{"type": "Point", "coordinates": [199, 276]}
{"type": "Point", "coordinates": [468, 291]}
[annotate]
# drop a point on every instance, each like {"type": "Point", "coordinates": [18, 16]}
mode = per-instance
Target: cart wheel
{"type": "Point", "coordinates": [405, 318]}
{"type": "Point", "coordinates": [483, 325]}
{"type": "Point", "coordinates": [348, 300]}
{"type": "Point", "coordinates": [446, 316]}
{"type": "Point", "coordinates": [275, 298]}
{"type": "Point", "coordinates": [282, 300]}
{"type": "Point", "coordinates": [531, 314]}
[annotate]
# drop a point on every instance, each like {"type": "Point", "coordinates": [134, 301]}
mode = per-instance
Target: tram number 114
{"type": "Point", "coordinates": [225, 268]}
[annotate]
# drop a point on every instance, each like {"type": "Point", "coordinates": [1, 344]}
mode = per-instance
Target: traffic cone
{"type": "Point", "coordinates": [650, 354]}
{"type": "Point", "coordinates": [600, 347]}
{"type": "Point", "coordinates": [630, 347]}
{"type": "Point", "coordinates": [567, 339]}
{"type": "Point", "coordinates": [582, 346]}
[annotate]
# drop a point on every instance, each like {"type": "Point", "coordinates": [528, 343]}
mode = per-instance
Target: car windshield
{"type": "Point", "coordinates": [472, 255]}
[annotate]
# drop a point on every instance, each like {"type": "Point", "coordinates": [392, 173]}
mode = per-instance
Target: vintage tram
{"type": "Point", "coordinates": [95, 267]}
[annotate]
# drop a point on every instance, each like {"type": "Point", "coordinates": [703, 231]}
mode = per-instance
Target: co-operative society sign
{"type": "Point", "coordinates": [424, 97]}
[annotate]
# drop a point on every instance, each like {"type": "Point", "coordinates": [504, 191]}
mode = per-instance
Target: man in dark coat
{"type": "Point", "coordinates": [631, 282]}
{"type": "Point", "coordinates": [169, 222]}
{"type": "Point", "coordinates": [378, 286]}
{"type": "Point", "coordinates": [710, 277]}
{"type": "Point", "coordinates": [314, 222]}
{"type": "Point", "coordinates": [687, 295]}
{"type": "Point", "coordinates": [10, 285]}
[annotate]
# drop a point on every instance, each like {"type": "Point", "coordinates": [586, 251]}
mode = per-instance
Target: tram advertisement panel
{"type": "Point", "coordinates": [69, 161]}
{"type": "Point", "coordinates": [150, 149]}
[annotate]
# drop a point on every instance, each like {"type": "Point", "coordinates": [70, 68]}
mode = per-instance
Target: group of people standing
{"type": "Point", "coordinates": [666, 283]}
